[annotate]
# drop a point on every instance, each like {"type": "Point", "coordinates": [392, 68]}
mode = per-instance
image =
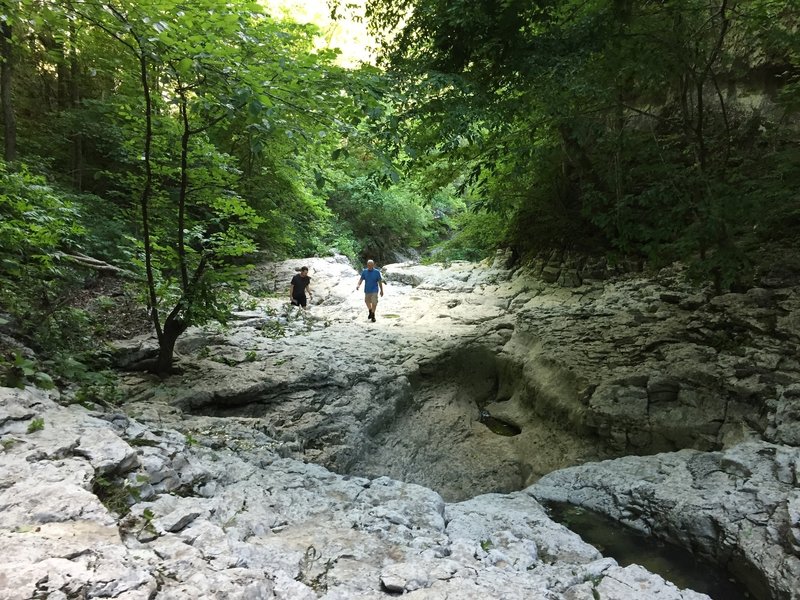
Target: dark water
{"type": "Point", "coordinates": [627, 547]}
{"type": "Point", "coordinates": [497, 425]}
{"type": "Point", "coordinates": [500, 426]}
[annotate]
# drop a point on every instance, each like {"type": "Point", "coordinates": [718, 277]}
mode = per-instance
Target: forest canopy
{"type": "Point", "coordinates": [176, 143]}
{"type": "Point", "coordinates": [663, 130]}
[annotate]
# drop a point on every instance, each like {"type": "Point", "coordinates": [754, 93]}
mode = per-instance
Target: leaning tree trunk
{"type": "Point", "coordinates": [6, 98]}
{"type": "Point", "coordinates": [144, 205]}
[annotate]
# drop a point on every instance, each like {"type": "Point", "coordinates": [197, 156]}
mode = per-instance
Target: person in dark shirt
{"type": "Point", "coordinates": [298, 287]}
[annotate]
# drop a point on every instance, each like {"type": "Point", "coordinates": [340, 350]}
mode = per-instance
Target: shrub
{"type": "Point", "coordinates": [36, 424]}
{"type": "Point", "coordinates": [477, 235]}
{"type": "Point", "coordinates": [382, 220]}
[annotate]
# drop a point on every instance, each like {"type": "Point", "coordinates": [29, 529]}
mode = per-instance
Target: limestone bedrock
{"type": "Point", "coordinates": [272, 465]}
{"type": "Point", "coordinates": [628, 365]}
{"type": "Point", "coordinates": [225, 516]}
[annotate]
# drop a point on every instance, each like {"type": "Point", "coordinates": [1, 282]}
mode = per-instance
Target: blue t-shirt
{"type": "Point", "coordinates": [371, 279]}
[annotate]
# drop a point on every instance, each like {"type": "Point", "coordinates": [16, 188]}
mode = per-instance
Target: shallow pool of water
{"type": "Point", "coordinates": [628, 546]}
{"type": "Point", "coordinates": [499, 426]}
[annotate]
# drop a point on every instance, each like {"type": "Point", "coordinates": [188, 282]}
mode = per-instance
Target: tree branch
{"type": "Point", "coordinates": [94, 263]}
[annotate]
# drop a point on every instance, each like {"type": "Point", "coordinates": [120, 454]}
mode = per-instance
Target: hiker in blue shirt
{"type": "Point", "coordinates": [372, 283]}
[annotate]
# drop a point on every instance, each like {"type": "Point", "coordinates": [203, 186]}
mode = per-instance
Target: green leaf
{"type": "Point", "coordinates": [44, 381]}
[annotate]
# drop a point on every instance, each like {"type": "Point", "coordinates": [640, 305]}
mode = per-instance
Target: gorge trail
{"type": "Point", "coordinates": [289, 431]}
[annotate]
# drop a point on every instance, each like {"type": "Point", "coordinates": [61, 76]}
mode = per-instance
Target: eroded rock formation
{"type": "Point", "coordinates": [601, 370]}
{"type": "Point", "coordinates": [222, 515]}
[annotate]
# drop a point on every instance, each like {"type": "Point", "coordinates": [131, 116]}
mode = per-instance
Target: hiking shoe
{"type": "Point", "coordinates": [372, 317]}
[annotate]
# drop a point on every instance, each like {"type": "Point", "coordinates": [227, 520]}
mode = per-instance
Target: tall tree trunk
{"type": "Point", "coordinates": [144, 202]}
{"type": "Point", "coordinates": [76, 150]}
{"type": "Point", "coordinates": [183, 190]}
{"type": "Point", "coordinates": [6, 96]}
{"type": "Point", "coordinates": [63, 75]}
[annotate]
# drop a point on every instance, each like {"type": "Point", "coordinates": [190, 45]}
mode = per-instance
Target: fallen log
{"type": "Point", "coordinates": [95, 264]}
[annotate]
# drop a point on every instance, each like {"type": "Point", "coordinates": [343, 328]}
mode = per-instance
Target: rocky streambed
{"type": "Point", "coordinates": [314, 454]}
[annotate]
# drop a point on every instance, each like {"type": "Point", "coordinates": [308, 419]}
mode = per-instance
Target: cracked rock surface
{"type": "Point", "coordinates": [249, 524]}
{"type": "Point", "coordinates": [317, 455]}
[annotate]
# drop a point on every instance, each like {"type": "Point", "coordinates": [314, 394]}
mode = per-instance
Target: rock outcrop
{"type": "Point", "coordinates": [630, 365]}
{"type": "Point", "coordinates": [591, 372]}
{"type": "Point", "coordinates": [738, 507]}
{"type": "Point", "coordinates": [224, 516]}
{"type": "Point", "coordinates": [400, 397]}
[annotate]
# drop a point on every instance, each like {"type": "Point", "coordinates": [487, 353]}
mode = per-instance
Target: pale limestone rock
{"type": "Point", "coordinates": [105, 451]}
{"type": "Point", "coordinates": [634, 582]}
{"type": "Point", "coordinates": [405, 577]}
{"type": "Point", "coordinates": [733, 506]}
{"type": "Point", "coordinates": [400, 398]}
{"type": "Point", "coordinates": [279, 528]}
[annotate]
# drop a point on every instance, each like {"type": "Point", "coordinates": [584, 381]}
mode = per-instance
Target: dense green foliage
{"type": "Point", "coordinates": [42, 231]}
{"type": "Point", "coordinates": [177, 142]}
{"type": "Point", "coordinates": [665, 130]}
{"type": "Point", "coordinates": [36, 223]}
{"type": "Point", "coordinates": [191, 137]}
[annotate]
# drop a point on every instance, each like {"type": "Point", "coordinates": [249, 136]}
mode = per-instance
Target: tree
{"type": "Point", "coordinates": [210, 75]}
{"type": "Point", "coordinates": [606, 125]}
{"type": "Point", "coordinates": [7, 55]}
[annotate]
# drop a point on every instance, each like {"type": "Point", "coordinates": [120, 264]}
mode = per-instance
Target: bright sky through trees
{"type": "Point", "coordinates": [346, 33]}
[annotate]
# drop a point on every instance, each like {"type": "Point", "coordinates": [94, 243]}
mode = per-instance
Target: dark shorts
{"type": "Point", "coordinates": [299, 301]}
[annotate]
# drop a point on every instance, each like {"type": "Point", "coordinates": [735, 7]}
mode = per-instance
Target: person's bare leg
{"type": "Point", "coordinates": [373, 308]}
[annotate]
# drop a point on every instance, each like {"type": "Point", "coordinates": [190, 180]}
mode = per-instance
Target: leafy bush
{"type": "Point", "coordinates": [36, 224]}
{"type": "Point", "coordinates": [36, 424]}
{"type": "Point", "coordinates": [382, 221]}
{"type": "Point", "coordinates": [116, 494]}
{"type": "Point", "coordinates": [477, 235]}
{"type": "Point", "coordinates": [20, 371]}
